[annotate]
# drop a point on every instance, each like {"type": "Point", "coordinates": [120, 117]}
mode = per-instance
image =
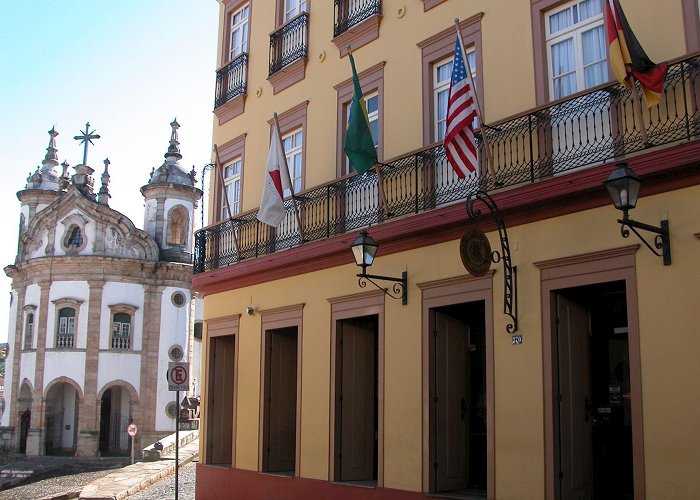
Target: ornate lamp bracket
{"type": "Point", "coordinates": [510, 272]}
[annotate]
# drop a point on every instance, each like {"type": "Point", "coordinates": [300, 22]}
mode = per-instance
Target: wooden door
{"type": "Point", "coordinates": [220, 400]}
{"type": "Point", "coordinates": [450, 397]}
{"type": "Point", "coordinates": [281, 401]}
{"type": "Point", "coordinates": [575, 419]}
{"type": "Point", "coordinates": [358, 400]}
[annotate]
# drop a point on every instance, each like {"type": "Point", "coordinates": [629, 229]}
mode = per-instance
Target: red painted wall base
{"type": "Point", "coordinates": [218, 483]}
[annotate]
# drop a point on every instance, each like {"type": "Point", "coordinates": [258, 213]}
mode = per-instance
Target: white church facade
{"type": "Point", "coordinates": [99, 308]}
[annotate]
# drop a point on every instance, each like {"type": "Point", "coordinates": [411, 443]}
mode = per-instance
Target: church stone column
{"type": "Point", "coordinates": [35, 441]}
{"type": "Point", "coordinates": [149, 363]}
{"type": "Point", "coordinates": [88, 416]}
{"type": "Point", "coordinates": [16, 352]}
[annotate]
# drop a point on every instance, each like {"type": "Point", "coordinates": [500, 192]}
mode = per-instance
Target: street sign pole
{"type": "Point", "coordinates": [177, 436]}
{"type": "Point", "coordinates": [178, 379]}
{"type": "Point", "coordinates": [131, 430]}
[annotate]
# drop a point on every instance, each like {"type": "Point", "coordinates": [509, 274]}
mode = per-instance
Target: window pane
{"type": "Point", "coordinates": [589, 8]}
{"type": "Point", "coordinates": [594, 57]}
{"type": "Point", "coordinates": [560, 21]}
{"type": "Point", "coordinates": [373, 104]}
{"type": "Point", "coordinates": [444, 72]}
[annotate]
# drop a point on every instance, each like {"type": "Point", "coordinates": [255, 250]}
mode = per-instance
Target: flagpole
{"type": "Point", "coordinates": [291, 185]}
{"type": "Point", "coordinates": [637, 104]}
{"type": "Point", "coordinates": [223, 193]}
{"type": "Point", "coordinates": [487, 149]}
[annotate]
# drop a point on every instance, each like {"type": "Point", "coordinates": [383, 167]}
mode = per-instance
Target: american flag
{"type": "Point", "coordinates": [460, 145]}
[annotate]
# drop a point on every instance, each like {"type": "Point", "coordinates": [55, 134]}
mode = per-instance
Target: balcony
{"type": "Point", "coordinates": [356, 23]}
{"type": "Point", "coordinates": [349, 13]}
{"type": "Point", "coordinates": [64, 341]}
{"type": "Point", "coordinates": [289, 43]}
{"type": "Point", "coordinates": [231, 80]}
{"type": "Point", "coordinates": [121, 342]}
{"type": "Point", "coordinates": [550, 143]}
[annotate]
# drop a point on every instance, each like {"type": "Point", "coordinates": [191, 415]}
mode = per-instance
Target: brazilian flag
{"type": "Point", "coordinates": [359, 145]}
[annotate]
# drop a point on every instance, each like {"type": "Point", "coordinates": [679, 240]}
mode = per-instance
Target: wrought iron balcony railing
{"type": "Point", "coordinates": [582, 131]}
{"type": "Point", "coordinates": [289, 43]}
{"type": "Point", "coordinates": [348, 13]}
{"type": "Point", "coordinates": [231, 80]}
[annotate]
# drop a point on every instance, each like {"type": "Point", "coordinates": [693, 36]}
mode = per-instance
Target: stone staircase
{"type": "Point", "coordinates": [165, 448]}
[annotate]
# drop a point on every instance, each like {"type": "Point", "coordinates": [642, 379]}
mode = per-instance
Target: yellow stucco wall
{"type": "Point", "coordinates": [669, 349]}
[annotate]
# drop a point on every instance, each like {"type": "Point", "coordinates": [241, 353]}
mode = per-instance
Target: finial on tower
{"type": "Point", "coordinates": [174, 148]}
{"type": "Point", "coordinates": [103, 196]}
{"type": "Point", "coordinates": [52, 150]}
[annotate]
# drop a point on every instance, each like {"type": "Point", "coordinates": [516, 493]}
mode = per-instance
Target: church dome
{"type": "Point", "coordinates": [171, 171]}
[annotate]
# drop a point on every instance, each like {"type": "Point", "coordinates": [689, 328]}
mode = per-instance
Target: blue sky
{"type": "Point", "coordinates": [128, 67]}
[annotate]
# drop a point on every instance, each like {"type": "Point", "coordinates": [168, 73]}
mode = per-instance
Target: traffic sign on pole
{"type": "Point", "coordinates": [178, 376]}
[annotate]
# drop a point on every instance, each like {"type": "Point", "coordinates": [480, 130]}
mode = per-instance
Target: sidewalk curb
{"type": "Point", "coordinates": [91, 491]}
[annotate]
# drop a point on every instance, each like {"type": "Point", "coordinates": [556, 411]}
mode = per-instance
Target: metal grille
{"type": "Point", "coordinates": [570, 134]}
{"type": "Point", "coordinates": [289, 43]}
{"type": "Point", "coordinates": [348, 13]}
{"type": "Point", "coordinates": [231, 80]}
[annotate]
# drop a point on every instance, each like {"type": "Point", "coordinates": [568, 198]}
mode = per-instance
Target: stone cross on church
{"type": "Point", "coordinates": [86, 138]}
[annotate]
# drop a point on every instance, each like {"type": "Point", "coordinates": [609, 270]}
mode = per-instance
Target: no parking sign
{"type": "Point", "coordinates": [178, 376]}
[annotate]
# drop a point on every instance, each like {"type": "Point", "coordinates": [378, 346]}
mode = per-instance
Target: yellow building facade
{"type": "Point", "coordinates": [563, 367]}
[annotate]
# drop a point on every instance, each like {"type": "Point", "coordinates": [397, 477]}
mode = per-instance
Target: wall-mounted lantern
{"type": "Point", "coordinates": [623, 187]}
{"type": "Point", "coordinates": [364, 248]}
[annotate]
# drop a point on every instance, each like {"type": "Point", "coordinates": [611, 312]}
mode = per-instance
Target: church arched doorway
{"type": "Point", "coordinates": [61, 422]}
{"type": "Point", "coordinates": [24, 409]}
{"type": "Point", "coordinates": [115, 416]}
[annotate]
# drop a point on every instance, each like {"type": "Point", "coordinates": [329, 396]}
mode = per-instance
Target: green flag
{"type": "Point", "coordinates": [359, 145]}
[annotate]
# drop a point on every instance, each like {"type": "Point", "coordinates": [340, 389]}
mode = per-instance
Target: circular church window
{"type": "Point", "coordinates": [178, 299]}
{"type": "Point", "coordinates": [171, 409]}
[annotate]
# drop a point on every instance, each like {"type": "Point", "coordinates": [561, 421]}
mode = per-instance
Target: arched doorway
{"type": "Point", "coordinates": [24, 405]}
{"type": "Point", "coordinates": [61, 422]}
{"type": "Point", "coordinates": [115, 416]}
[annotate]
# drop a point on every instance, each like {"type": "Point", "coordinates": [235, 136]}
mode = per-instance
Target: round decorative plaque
{"type": "Point", "coordinates": [475, 250]}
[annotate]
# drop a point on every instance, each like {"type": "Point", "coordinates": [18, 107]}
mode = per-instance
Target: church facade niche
{"type": "Point", "coordinates": [178, 226]}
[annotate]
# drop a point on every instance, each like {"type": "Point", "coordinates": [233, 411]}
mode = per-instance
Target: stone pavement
{"type": "Point", "coordinates": [134, 478]}
{"type": "Point", "coordinates": [114, 486]}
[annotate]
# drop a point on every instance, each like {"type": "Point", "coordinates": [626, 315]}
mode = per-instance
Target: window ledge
{"type": "Point", "coordinates": [231, 109]}
{"type": "Point", "coordinates": [359, 35]}
{"type": "Point", "coordinates": [429, 4]}
{"type": "Point", "coordinates": [289, 75]}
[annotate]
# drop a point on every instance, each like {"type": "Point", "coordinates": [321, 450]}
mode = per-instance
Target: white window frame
{"type": "Point", "coordinates": [239, 26]}
{"type": "Point", "coordinates": [441, 87]}
{"type": "Point", "coordinates": [66, 324]}
{"type": "Point", "coordinates": [293, 145]}
{"type": "Point", "coordinates": [293, 8]}
{"type": "Point", "coordinates": [232, 188]}
{"type": "Point", "coordinates": [573, 32]}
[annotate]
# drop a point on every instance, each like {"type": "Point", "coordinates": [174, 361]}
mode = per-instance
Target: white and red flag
{"type": "Point", "coordinates": [460, 145]}
{"type": "Point", "coordinates": [277, 180]}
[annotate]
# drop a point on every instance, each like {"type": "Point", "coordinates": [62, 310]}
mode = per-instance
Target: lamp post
{"type": "Point", "coordinates": [623, 188]}
{"type": "Point", "coordinates": [364, 248]}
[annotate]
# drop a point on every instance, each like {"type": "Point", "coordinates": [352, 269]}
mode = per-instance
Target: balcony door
{"type": "Point", "coordinates": [577, 60]}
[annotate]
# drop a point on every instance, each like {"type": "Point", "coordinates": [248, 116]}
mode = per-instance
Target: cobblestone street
{"type": "Point", "coordinates": [74, 475]}
{"type": "Point", "coordinates": [70, 477]}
